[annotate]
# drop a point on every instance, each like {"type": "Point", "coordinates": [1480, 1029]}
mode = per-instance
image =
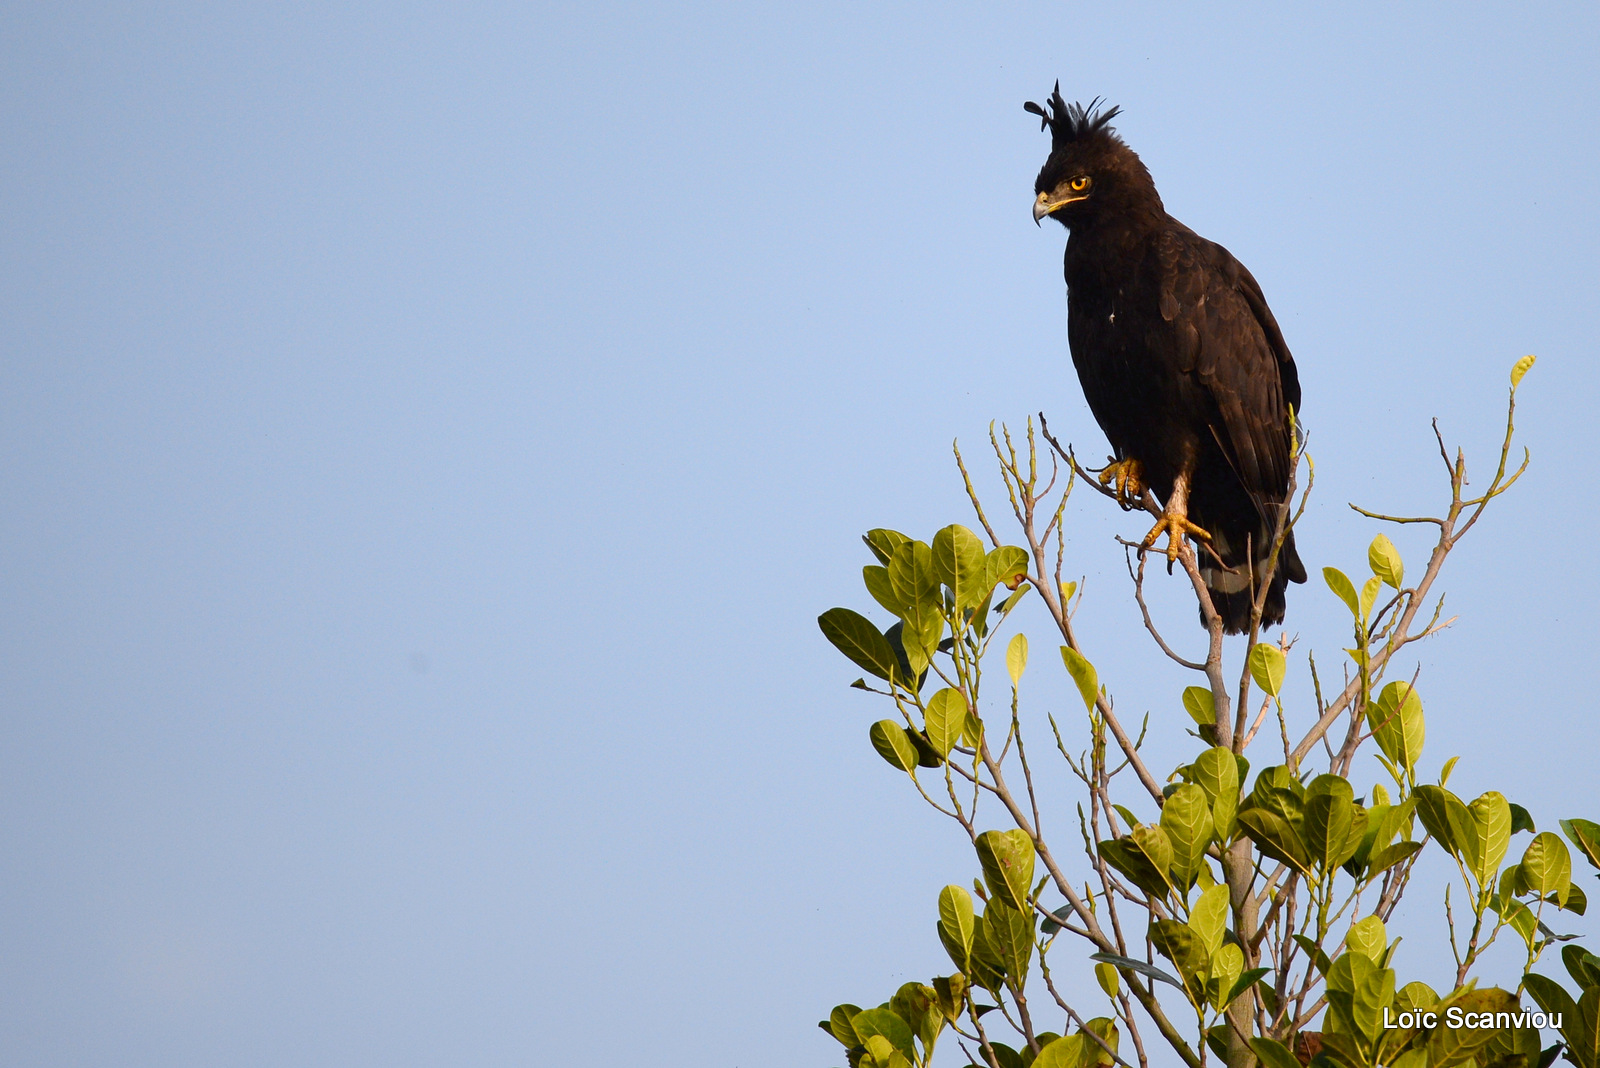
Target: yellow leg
{"type": "Point", "coordinates": [1126, 477]}
{"type": "Point", "coordinates": [1175, 521]}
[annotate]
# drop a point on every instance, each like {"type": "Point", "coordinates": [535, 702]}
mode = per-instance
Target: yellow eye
{"type": "Point", "coordinates": [1079, 184]}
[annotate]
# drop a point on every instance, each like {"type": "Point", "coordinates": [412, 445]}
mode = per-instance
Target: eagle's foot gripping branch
{"type": "Point", "coordinates": [1126, 478]}
{"type": "Point", "coordinates": [1176, 525]}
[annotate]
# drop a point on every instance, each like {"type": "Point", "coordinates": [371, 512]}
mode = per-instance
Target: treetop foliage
{"type": "Point", "coordinates": [1250, 921]}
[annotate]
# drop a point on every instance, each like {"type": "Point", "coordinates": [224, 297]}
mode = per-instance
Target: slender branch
{"type": "Point", "coordinates": [1144, 609]}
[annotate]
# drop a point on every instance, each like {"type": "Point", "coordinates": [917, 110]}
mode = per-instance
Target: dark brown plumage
{"type": "Point", "coordinates": [1180, 359]}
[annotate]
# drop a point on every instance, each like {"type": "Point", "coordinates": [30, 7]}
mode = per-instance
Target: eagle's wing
{"type": "Point", "coordinates": [1236, 352]}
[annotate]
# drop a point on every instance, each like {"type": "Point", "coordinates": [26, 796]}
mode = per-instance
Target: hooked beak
{"type": "Point", "coordinates": [1046, 203]}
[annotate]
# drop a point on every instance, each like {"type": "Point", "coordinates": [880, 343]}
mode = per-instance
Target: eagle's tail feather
{"type": "Point", "coordinates": [1230, 586]}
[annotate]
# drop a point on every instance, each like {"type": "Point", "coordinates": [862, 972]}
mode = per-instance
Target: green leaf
{"type": "Point", "coordinates": [1136, 965]}
{"type": "Point", "coordinates": [1550, 995]}
{"type": "Point", "coordinates": [1005, 1056]}
{"type": "Point", "coordinates": [1106, 975]}
{"type": "Point", "coordinates": [1083, 674]}
{"type": "Point", "coordinates": [1583, 1036]}
{"type": "Point", "coordinates": [1216, 1037]}
{"type": "Point", "coordinates": [1217, 773]}
{"type": "Point", "coordinates": [1367, 937]}
{"type": "Point", "coordinates": [1062, 1053]}
{"type": "Point", "coordinates": [855, 636]}
{"type": "Point", "coordinates": [1009, 932]}
{"type": "Point", "coordinates": [1445, 817]}
{"type": "Point", "coordinates": [1507, 1042]}
{"type": "Point", "coordinates": [1225, 969]}
{"type": "Point", "coordinates": [1153, 842]}
{"type": "Point", "coordinates": [1129, 860]}
{"type": "Point", "coordinates": [1094, 1055]}
{"type": "Point", "coordinates": [1385, 561]}
{"type": "Point", "coordinates": [1381, 860]}
{"type": "Point", "coordinates": [1245, 981]}
{"type": "Point", "coordinates": [1017, 657]}
{"type": "Point", "coordinates": [885, 1022]}
{"type": "Point", "coordinates": [1547, 866]}
{"type": "Point", "coordinates": [1517, 915]}
{"type": "Point", "coordinates": [1444, 772]}
{"type": "Point", "coordinates": [988, 968]}
{"type": "Point", "coordinates": [1058, 916]}
{"type": "Point", "coordinates": [1200, 705]}
{"type": "Point", "coordinates": [1334, 824]}
{"type": "Point", "coordinates": [1521, 819]}
{"type": "Point", "coordinates": [1491, 829]}
{"type": "Point", "coordinates": [1383, 822]}
{"type": "Point", "coordinates": [914, 584]}
{"type": "Point", "coordinates": [1278, 790]}
{"type": "Point", "coordinates": [1358, 992]}
{"type": "Point", "coordinates": [879, 1052]}
{"type": "Point", "coordinates": [1397, 724]}
{"type": "Point", "coordinates": [1341, 1044]}
{"type": "Point", "coordinates": [978, 618]}
{"type": "Point", "coordinates": [1314, 951]}
{"type": "Point", "coordinates": [927, 755]}
{"type": "Point", "coordinates": [1415, 996]}
{"type": "Point", "coordinates": [1006, 566]}
{"type": "Point", "coordinates": [959, 561]}
{"type": "Point", "coordinates": [1369, 595]}
{"type": "Point", "coordinates": [971, 731]}
{"type": "Point", "coordinates": [956, 918]}
{"type": "Point", "coordinates": [838, 1025]}
{"type": "Point", "coordinates": [951, 991]}
{"type": "Point", "coordinates": [911, 677]}
{"type": "Point", "coordinates": [961, 956]}
{"type": "Point", "coordinates": [876, 578]}
{"type": "Point", "coordinates": [912, 578]}
{"type": "Point", "coordinates": [1267, 666]}
{"type": "Point", "coordinates": [1276, 837]}
{"type": "Point", "coordinates": [1177, 942]}
{"type": "Point", "coordinates": [894, 745]}
{"type": "Point", "coordinates": [1577, 902]}
{"type": "Point", "coordinates": [1520, 368]}
{"type": "Point", "coordinates": [1512, 883]}
{"type": "Point", "coordinates": [918, 1005]}
{"type": "Point", "coordinates": [1455, 1045]}
{"type": "Point", "coordinates": [1007, 859]}
{"type": "Point", "coordinates": [1395, 1039]}
{"type": "Point", "coordinates": [945, 716]}
{"type": "Point", "coordinates": [884, 542]}
{"type": "Point", "coordinates": [1583, 966]}
{"type": "Point", "coordinates": [1586, 836]}
{"type": "Point", "coordinates": [921, 627]}
{"type": "Point", "coordinates": [1012, 601]}
{"type": "Point", "coordinates": [1209, 918]}
{"type": "Point", "coordinates": [1273, 1054]}
{"type": "Point", "coordinates": [1186, 817]}
{"type": "Point", "coordinates": [1340, 584]}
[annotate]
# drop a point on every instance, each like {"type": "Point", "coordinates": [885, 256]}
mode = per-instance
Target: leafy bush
{"type": "Point", "coordinates": [1249, 921]}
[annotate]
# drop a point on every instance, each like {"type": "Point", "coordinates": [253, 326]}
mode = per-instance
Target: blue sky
{"type": "Point", "coordinates": [431, 432]}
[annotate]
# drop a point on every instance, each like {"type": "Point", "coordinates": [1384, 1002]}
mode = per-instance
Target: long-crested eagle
{"type": "Point", "coordinates": [1181, 362]}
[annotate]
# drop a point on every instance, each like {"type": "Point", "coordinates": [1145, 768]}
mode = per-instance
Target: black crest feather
{"type": "Point", "coordinates": [1072, 122]}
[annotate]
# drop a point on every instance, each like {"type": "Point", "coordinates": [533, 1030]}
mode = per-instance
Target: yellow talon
{"type": "Point", "coordinates": [1127, 479]}
{"type": "Point", "coordinates": [1177, 527]}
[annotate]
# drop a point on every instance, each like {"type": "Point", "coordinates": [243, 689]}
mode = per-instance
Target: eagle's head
{"type": "Point", "coordinates": [1091, 172]}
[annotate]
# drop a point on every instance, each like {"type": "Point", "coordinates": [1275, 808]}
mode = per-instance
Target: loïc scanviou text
{"type": "Point", "coordinates": [1455, 1018]}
